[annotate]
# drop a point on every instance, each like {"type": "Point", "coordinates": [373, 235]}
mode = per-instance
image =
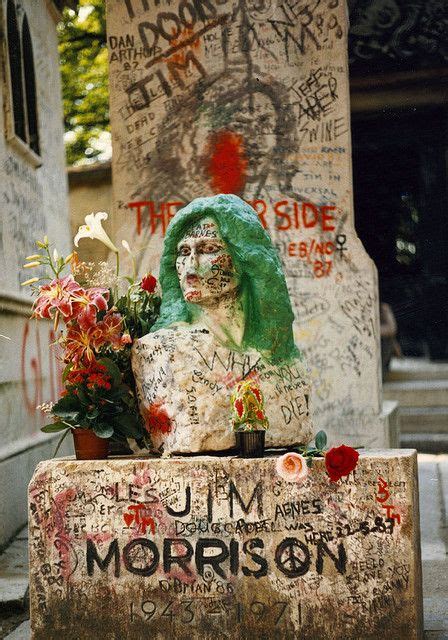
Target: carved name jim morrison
{"type": "Point", "coordinates": [225, 315]}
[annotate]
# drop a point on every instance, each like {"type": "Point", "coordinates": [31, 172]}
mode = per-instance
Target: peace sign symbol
{"type": "Point", "coordinates": [292, 557]}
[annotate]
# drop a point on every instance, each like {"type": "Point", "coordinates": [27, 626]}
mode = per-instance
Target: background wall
{"type": "Point", "coordinates": [90, 189]}
{"type": "Point", "coordinates": [33, 202]}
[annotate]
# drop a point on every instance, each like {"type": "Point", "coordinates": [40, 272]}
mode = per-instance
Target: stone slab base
{"type": "Point", "coordinates": [208, 547]}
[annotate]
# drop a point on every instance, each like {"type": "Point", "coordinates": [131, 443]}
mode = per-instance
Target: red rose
{"type": "Point", "coordinates": [148, 283]}
{"type": "Point", "coordinates": [340, 461]}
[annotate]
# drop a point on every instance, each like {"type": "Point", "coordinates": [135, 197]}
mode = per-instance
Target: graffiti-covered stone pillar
{"type": "Point", "coordinates": [251, 98]}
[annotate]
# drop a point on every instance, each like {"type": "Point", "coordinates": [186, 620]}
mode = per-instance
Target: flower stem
{"type": "Point", "coordinates": [134, 267]}
{"type": "Point", "coordinates": [61, 440]}
{"type": "Point", "coordinates": [117, 267]}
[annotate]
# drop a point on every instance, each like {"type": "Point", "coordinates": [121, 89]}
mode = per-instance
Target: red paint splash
{"type": "Point", "coordinates": [227, 162]}
{"type": "Point", "coordinates": [180, 56]}
{"type": "Point", "coordinates": [157, 419]}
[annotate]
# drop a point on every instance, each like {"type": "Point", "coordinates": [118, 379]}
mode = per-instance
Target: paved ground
{"type": "Point", "coordinates": [433, 477]}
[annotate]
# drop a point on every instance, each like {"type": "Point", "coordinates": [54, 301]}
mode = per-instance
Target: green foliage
{"type": "Point", "coordinates": [318, 451]}
{"type": "Point", "coordinates": [108, 412]}
{"type": "Point", "coordinates": [83, 54]}
{"type": "Point", "coordinates": [139, 309]}
{"type": "Point", "coordinates": [54, 427]}
{"type": "Point", "coordinates": [320, 440]}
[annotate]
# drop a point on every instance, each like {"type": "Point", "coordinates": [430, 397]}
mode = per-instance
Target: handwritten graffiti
{"type": "Point", "coordinates": [249, 97]}
{"type": "Point", "coordinates": [398, 33]}
{"type": "Point", "coordinates": [137, 514]}
{"type": "Point", "coordinates": [383, 496]}
{"type": "Point", "coordinates": [196, 548]}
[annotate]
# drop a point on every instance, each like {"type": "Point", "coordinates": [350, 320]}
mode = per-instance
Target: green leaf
{"type": "Point", "coordinates": [103, 430]}
{"type": "Point", "coordinates": [320, 440]}
{"type": "Point", "coordinates": [54, 427]}
{"type": "Point", "coordinates": [66, 371]}
{"type": "Point", "coordinates": [83, 55]}
{"type": "Point", "coordinates": [66, 403]}
{"type": "Point", "coordinates": [129, 424]}
{"type": "Point", "coordinates": [83, 397]}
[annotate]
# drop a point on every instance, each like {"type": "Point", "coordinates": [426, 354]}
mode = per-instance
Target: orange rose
{"type": "Point", "coordinates": [292, 467]}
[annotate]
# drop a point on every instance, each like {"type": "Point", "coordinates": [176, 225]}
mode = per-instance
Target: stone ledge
{"type": "Point", "coordinates": [207, 547]}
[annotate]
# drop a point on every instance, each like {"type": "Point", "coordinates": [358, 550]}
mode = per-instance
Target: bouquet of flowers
{"type": "Point", "coordinates": [99, 327]}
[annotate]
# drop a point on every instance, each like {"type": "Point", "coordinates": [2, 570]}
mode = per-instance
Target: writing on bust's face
{"type": "Point", "coordinates": [204, 266]}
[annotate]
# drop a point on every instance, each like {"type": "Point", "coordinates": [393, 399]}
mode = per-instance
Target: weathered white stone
{"type": "Point", "coordinates": [206, 547]}
{"type": "Point", "coordinates": [190, 375]}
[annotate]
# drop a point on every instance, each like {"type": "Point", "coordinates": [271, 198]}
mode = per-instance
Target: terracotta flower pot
{"type": "Point", "coordinates": [88, 446]}
{"type": "Point", "coordinates": [251, 443]}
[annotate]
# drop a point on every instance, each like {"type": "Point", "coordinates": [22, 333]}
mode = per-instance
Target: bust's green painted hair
{"type": "Point", "coordinates": [264, 295]}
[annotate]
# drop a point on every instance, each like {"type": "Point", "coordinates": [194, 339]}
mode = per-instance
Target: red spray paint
{"type": "Point", "coordinates": [227, 162]}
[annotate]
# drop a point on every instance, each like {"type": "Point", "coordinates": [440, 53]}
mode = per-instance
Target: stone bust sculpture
{"type": "Point", "coordinates": [225, 315]}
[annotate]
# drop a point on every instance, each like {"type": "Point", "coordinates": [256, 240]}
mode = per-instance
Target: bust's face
{"type": "Point", "coordinates": [204, 266]}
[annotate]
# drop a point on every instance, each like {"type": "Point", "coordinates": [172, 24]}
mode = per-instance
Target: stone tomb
{"type": "Point", "coordinates": [252, 98]}
{"type": "Point", "coordinates": [206, 547]}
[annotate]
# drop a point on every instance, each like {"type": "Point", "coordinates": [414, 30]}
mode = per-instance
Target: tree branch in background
{"type": "Point", "coordinates": [83, 54]}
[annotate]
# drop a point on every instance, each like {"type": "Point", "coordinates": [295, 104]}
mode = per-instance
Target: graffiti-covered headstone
{"type": "Point", "coordinates": [207, 547]}
{"type": "Point", "coordinates": [251, 98]}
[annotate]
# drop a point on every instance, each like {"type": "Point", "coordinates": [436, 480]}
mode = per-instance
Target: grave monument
{"type": "Point", "coordinates": [247, 95]}
{"type": "Point", "coordinates": [251, 98]}
{"type": "Point", "coordinates": [225, 316]}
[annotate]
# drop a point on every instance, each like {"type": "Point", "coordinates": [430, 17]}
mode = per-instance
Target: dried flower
{"type": "Point", "coordinates": [45, 407]}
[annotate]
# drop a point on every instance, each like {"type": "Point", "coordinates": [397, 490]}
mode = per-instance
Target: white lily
{"type": "Point", "coordinates": [93, 229]}
{"type": "Point", "coordinates": [125, 245]}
